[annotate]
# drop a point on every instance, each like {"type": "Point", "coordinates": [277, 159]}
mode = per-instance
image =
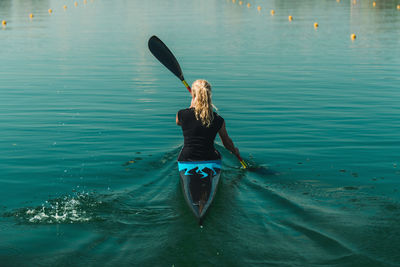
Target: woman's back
{"type": "Point", "coordinates": [198, 138]}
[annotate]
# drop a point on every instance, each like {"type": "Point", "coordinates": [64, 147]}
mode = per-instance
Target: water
{"type": "Point", "coordinates": [89, 142]}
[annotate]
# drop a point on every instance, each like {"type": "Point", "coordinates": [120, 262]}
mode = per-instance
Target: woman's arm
{"type": "Point", "coordinates": [227, 141]}
{"type": "Point", "coordinates": [177, 120]}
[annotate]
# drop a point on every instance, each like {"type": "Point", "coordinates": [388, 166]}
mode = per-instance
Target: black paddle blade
{"type": "Point", "coordinates": [165, 56]}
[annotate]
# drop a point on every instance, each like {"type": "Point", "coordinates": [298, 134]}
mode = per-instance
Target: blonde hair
{"type": "Point", "coordinates": [203, 107]}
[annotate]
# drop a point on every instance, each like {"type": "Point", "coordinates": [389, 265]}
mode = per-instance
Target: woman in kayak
{"type": "Point", "coordinates": [200, 124]}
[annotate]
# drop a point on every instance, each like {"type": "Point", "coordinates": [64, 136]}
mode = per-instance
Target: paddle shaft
{"type": "Point", "coordinates": [244, 164]}
{"type": "Point", "coordinates": [187, 86]}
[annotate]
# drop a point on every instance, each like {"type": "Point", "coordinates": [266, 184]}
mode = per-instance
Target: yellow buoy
{"type": "Point", "coordinates": [353, 36]}
{"type": "Point", "coordinates": [233, 1]}
{"type": "Point", "coordinates": [373, 4]}
{"type": "Point", "coordinates": [3, 22]}
{"type": "Point", "coordinates": [316, 25]}
{"type": "Point", "coordinates": [259, 8]}
{"type": "Point", "coordinates": [50, 10]}
{"type": "Point", "coordinates": [65, 7]}
{"type": "Point", "coordinates": [248, 5]}
{"type": "Point", "coordinates": [76, 4]}
{"type": "Point", "coordinates": [240, 2]}
{"type": "Point", "coordinates": [31, 15]}
{"type": "Point", "coordinates": [85, 2]}
{"type": "Point", "coordinates": [398, 7]}
{"type": "Point", "coordinates": [338, 1]}
{"type": "Point", "coordinates": [290, 18]}
{"type": "Point", "coordinates": [272, 12]}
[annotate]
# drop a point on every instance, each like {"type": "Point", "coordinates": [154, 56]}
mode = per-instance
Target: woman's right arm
{"type": "Point", "coordinates": [227, 141]}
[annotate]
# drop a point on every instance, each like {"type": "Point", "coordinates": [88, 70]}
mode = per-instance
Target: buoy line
{"type": "Point", "coordinates": [315, 24]}
{"type": "Point", "coordinates": [50, 11]}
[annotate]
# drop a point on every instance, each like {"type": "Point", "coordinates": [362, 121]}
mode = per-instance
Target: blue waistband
{"type": "Point", "coordinates": [190, 165]}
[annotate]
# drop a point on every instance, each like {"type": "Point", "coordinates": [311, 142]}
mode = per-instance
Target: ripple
{"type": "Point", "coordinates": [321, 239]}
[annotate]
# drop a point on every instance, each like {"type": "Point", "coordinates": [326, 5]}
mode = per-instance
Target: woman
{"type": "Point", "coordinates": [200, 124]}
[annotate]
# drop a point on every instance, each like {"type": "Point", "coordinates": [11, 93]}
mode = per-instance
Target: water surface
{"type": "Point", "coordinates": [89, 142]}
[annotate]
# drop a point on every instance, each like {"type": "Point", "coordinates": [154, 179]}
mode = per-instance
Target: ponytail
{"type": "Point", "coordinates": [203, 107]}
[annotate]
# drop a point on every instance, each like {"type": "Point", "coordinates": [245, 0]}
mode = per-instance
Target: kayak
{"type": "Point", "coordinates": [199, 180]}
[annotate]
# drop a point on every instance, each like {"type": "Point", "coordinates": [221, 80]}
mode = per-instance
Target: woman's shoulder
{"type": "Point", "coordinates": [218, 118]}
{"type": "Point", "coordinates": [217, 115]}
{"type": "Point", "coordinates": [186, 110]}
{"type": "Point", "coordinates": [185, 113]}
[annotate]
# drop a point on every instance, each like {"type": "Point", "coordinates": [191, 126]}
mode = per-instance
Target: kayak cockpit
{"type": "Point", "coordinates": [199, 182]}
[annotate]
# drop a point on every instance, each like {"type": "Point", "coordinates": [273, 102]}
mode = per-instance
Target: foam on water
{"type": "Point", "coordinates": [79, 208]}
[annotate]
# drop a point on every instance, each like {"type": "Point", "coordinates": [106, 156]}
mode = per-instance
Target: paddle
{"type": "Point", "coordinates": [165, 56]}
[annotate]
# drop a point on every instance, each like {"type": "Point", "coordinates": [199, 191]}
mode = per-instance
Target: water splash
{"type": "Point", "coordinates": [79, 208]}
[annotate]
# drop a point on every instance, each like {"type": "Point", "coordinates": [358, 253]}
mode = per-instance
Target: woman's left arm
{"type": "Point", "coordinates": [177, 120]}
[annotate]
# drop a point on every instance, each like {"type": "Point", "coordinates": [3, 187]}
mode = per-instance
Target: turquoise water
{"type": "Point", "coordinates": [89, 142]}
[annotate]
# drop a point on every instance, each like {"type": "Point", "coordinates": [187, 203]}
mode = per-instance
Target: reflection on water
{"type": "Point", "coordinates": [89, 143]}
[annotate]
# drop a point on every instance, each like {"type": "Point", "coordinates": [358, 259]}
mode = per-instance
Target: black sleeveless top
{"type": "Point", "coordinates": [198, 139]}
